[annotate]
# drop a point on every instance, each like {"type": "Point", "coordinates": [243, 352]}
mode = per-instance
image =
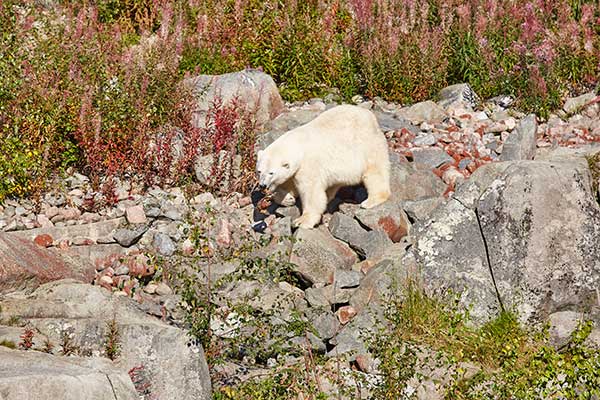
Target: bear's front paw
{"type": "Point", "coordinates": [306, 221]}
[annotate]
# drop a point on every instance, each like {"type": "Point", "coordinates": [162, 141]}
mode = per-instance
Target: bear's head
{"type": "Point", "coordinates": [274, 167]}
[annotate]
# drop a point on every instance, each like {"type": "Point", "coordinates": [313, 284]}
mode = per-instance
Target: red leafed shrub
{"type": "Point", "coordinates": [27, 339]}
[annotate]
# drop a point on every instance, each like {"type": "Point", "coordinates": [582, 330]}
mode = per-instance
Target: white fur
{"type": "Point", "coordinates": [341, 147]}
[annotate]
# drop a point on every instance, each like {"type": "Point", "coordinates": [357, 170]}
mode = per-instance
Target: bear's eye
{"type": "Point", "coordinates": [271, 173]}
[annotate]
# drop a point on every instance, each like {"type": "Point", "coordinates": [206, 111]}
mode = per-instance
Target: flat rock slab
{"type": "Point", "coordinates": [25, 265]}
{"type": "Point", "coordinates": [35, 375]}
{"type": "Point", "coordinates": [176, 367]}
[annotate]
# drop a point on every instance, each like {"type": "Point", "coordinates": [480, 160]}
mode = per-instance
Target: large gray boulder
{"type": "Point", "coordinates": [254, 90]}
{"type": "Point", "coordinates": [32, 375]}
{"type": "Point", "coordinates": [521, 143]}
{"type": "Point", "coordinates": [24, 265]}
{"type": "Point", "coordinates": [283, 123]}
{"type": "Point", "coordinates": [425, 111]}
{"type": "Point", "coordinates": [317, 254]}
{"type": "Point", "coordinates": [541, 225]}
{"type": "Point", "coordinates": [177, 368]}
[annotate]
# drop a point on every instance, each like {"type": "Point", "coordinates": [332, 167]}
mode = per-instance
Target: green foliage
{"type": "Point", "coordinates": [513, 362]}
{"type": "Point", "coordinates": [8, 343]}
{"type": "Point", "coordinates": [112, 344]}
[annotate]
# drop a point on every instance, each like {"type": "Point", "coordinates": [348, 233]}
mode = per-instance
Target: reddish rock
{"type": "Point", "coordinates": [245, 201]}
{"type": "Point", "coordinates": [106, 282]}
{"type": "Point", "coordinates": [139, 265]}
{"type": "Point", "coordinates": [345, 314]}
{"type": "Point", "coordinates": [136, 215]}
{"type": "Point", "coordinates": [223, 236]}
{"type": "Point", "coordinates": [43, 240]}
{"type": "Point", "coordinates": [187, 247]}
{"type": "Point", "coordinates": [25, 265]}
{"type": "Point", "coordinates": [70, 213]}
{"type": "Point", "coordinates": [364, 362]}
{"type": "Point", "coordinates": [389, 217]}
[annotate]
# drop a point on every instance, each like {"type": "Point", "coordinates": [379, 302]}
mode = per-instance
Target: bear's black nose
{"type": "Point", "coordinates": [262, 186]}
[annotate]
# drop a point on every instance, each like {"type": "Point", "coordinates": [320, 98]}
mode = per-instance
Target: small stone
{"type": "Point", "coordinates": [163, 289]}
{"type": "Point", "coordinates": [326, 324]}
{"type": "Point", "coordinates": [122, 270]}
{"type": "Point", "coordinates": [63, 244]}
{"type": "Point", "coordinates": [432, 157]}
{"type": "Point", "coordinates": [452, 176]}
{"type": "Point", "coordinates": [292, 212]}
{"type": "Point", "coordinates": [187, 247]}
{"type": "Point", "coordinates": [574, 104]}
{"type": "Point", "coordinates": [244, 201]}
{"type": "Point", "coordinates": [43, 240]}
{"type": "Point", "coordinates": [464, 163]}
{"type": "Point", "coordinates": [70, 213]}
{"type": "Point", "coordinates": [163, 244]}
{"type": "Point", "coordinates": [346, 278]}
{"type": "Point", "coordinates": [150, 288]}
{"type": "Point", "coordinates": [9, 211]}
{"type": "Point", "coordinates": [88, 217]}
{"type": "Point", "coordinates": [135, 215]}
{"type": "Point", "coordinates": [282, 227]}
{"type": "Point", "coordinates": [206, 199]}
{"type": "Point", "coordinates": [510, 123]}
{"type": "Point", "coordinates": [345, 314]}
{"type": "Point", "coordinates": [173, 212]}
{"type": "Point", "coordinates": [76, 193]}
{"type": "Point", "coordinates": [521, 143]}
{"type": "Point", "coordinates": [139, 265]}
{"type": "Point", "coordinates": [364, 266]}
{"type": "Point", "coordinates": [223, 237]}
{"type": "Point", "coordinates": [327, 295]}
{"type": "Point", "coordinates": [55, 199]}
{"type": "Point", "coordinates": [105, 281]}
{"type": "Point", "coordinates": [82, 241]}
{"type": "Point", "coordinates": [128, 237]}
{"type": "Point", "coordinates": [425, 140]}
{"type": "Point", "coordinates": [365, 363]}
{"type": "Point", "coordinates": [44, 221]}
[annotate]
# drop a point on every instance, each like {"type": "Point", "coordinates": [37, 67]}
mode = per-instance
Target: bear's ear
{"type": "Point", "coordinates": [260, 152]}
{"type": "Point", "coordinates": [286, 165]}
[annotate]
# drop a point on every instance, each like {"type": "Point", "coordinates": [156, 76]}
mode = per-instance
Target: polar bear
{"type": "Point", "coordinates": [341, 147]}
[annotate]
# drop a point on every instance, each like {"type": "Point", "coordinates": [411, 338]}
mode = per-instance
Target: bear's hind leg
{"type": "Point", "coordinates": [377, 183]}
{"type": "Point", "coordinates": [314, 203]}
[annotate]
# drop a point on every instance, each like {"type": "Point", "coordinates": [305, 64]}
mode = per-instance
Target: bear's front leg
{"type": "Point", "coordinates": [314, 203]}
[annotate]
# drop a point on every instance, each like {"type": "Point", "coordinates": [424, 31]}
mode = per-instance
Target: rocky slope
{"type": "Point", "coordinates": [493, 204]}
